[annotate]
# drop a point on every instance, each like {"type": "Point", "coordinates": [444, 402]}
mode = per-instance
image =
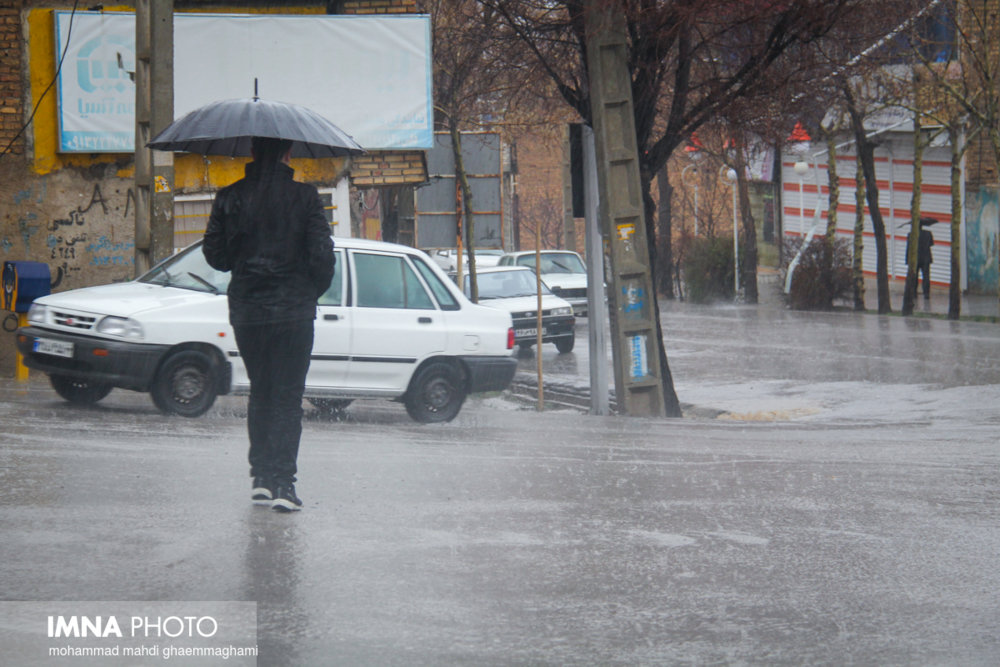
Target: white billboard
{"type": "Point", "coordinates": [371, 76]}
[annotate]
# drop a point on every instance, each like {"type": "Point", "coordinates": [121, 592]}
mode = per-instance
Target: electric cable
{"type": "Point", "coordinates": [69, 34]}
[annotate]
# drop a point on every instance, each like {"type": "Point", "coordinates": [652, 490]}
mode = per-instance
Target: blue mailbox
{"type": "Point", "coordinates": [23, 282]}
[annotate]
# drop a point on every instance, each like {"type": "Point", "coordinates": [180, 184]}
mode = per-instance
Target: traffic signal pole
{"type": "Point", "coordinates": [634, 344]}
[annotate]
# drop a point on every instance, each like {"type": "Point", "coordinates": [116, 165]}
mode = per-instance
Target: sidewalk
{"type": "Point", "coordinates": [973, 305]}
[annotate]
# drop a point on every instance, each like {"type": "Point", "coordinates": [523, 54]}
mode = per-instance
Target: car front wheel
{"type": "Point", "coordinates": [185, 384]}
{"type": "Point", "coordinates": [436, 394]}
{"type": "Point", "coordinates": [81, 392]}
{"type": "Point", "coordinates": [565, 345]}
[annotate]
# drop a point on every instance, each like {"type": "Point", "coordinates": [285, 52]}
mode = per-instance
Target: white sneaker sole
{"type": "Point", "coordinates": [282, 505]}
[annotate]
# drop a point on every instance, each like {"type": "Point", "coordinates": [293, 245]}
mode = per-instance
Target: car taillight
{"type": "Point", "coordinates": [510, 338]}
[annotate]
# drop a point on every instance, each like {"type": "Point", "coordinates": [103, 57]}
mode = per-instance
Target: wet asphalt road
{"type": "Point", "coordinates": [843, 511]}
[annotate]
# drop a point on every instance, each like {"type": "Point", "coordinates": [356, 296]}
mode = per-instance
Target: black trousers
{"type": "Point", "coordinates": [276, 357]}
{"type": "Point", "coordinates": [925, 269]}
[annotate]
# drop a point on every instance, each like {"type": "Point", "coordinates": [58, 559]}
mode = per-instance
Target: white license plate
{"type": "Point", "coordinates": [56, 348]}
{"type": "Point", "coordinates": [524, 333]}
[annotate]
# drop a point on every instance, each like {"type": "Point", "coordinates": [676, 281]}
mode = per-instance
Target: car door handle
{"type": "Point", "coordinates": [332, 317]}
{"type": "Point", "coordinates": [424, 320]}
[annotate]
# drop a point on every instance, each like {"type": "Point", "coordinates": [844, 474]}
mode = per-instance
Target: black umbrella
{"type": "Point", "coordinates": [924, 222]}
{"type": "Point", "coordinates": [226, 127]}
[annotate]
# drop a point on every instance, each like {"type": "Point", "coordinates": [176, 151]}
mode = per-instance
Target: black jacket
{"type": "Point", "coordinates": [271, 232]}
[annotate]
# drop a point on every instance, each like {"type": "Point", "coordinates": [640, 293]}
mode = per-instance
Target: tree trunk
{"type": "Point", "coordinates": [912, 243]}
{"type": "Point", "coordinates": [857, 268]}
{"type": "Point", "coordinates": [957, 140]}
{"type": "Point", "coordinates": [470, 225]}
{"type": "Point", "coordinates": [866, 154]}
{"type": "Point", "coordinates": [664, 236]}
{"type": "Point", "coordinates": [748, 268]}
{"type": "Point", "coordinates": [671, 404]}
{"type": "Point", "coordinates": [833, 199]}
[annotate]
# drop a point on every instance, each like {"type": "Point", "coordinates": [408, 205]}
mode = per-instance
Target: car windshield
{"type": "Point", "coordinates": [555, 262]}
{"type": "Point", "coordinates": [505, 284]}
{"type": "Point", "coordinates": [188, 270]}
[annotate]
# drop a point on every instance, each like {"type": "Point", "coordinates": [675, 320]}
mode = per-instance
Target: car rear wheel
{"type": "Point", "coordinates": [565, 345]}
{"type": "Point", "coordinates": [81, 392]}
{"type": "Point", "coordinates": [436, 394]}
{"type": "Point", "coordinates": [185, 384]}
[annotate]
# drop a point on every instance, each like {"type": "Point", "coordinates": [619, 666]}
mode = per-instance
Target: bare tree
{"type": "Point", "coordinates": [689, 60]}
{"type": "Point", "coordinates": [970, 108]}
{"type": "Point", "coordinates": [473, 80]}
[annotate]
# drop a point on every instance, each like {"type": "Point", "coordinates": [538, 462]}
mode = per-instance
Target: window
{"type": "Point", "coordinates": [335, 295]}
{"type": "Point", "coordinates": [506, 284]}
{"type": "Point", "coordinates": [385, 281]}
{"type": "Point", "coordinates": [444, 296]}
{"type": "Point", "coordinates": [561, 263]}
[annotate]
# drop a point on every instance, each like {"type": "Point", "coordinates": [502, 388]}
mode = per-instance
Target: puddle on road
{"type": "Point", "coordinates": [769, 415]}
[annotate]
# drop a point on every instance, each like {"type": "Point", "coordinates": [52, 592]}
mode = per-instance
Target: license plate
{"type": "Point", "coordinates": [525, 333]}
{"type": "Point", "coordinates": [56, 348]}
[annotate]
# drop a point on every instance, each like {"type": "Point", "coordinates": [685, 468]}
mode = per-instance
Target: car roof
{"type": "Point", "coordinates": [352, 243]}
{"type": "Point", "coordinates": [502, 269]}
{"type": "Point", "coordinates": [521, 253]}
{"type": "Point", "coordinates": [368, 244]}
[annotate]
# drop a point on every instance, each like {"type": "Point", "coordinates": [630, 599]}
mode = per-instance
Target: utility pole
{"type": "Point", "coordinates": [635, 348]}
{"type": "Point", "coordinates": [596, 314]}
{"type": "Point", "coordinates": [569, 222]}
{"type": "Point", "coordinates": [154, 110]}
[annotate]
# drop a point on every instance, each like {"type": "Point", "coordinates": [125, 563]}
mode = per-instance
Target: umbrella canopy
{"type": "Point", "coordinates": [226, 128]}
{"type": "Point", "coordinates": [925, 221]}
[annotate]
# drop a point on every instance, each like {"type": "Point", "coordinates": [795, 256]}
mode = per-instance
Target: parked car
{"type": "Point", "coordinates": [513, 289]}
{"type": "Point", "coordinates": [392, 325]}
{"type": "Point", "coordinates": [562, 270]}
{"type": "Point", "coordinates": [446, 257]}
{"type": "Point", "coordinates": [486, 257]}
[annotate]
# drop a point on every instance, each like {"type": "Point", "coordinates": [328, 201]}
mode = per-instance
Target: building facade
{"type": "Point", "coordinates": [75, 212]}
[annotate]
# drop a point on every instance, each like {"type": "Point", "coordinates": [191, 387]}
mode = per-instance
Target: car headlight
{"type": "Point", "coordinates": [36, 313]}
{"type": "Point", "coordinates": [562, 311]}
{"type": "Point", "coordinates": [120, 326]}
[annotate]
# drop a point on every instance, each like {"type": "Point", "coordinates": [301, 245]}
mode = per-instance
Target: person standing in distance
{"type": "Point", "coordinates": [925, 242]}
{"type": "Point", "coordinates": [271, 233]}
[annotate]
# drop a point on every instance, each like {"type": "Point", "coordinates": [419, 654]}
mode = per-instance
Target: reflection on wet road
{"type": "Point", "coordinates": [843, 509]}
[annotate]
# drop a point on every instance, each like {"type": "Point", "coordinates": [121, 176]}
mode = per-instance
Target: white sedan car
{"type": "Point", "coordinates": [391, 325]}
{"type": "Point", "coordinates": [514, 289]}
{"type": "Point", "coordinates": [562, 270]}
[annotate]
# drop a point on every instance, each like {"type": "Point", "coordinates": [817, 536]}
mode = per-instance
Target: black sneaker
{"type": "Point", "coordinates": [285, 499]}
{"type": "Point", "coordinates": [263, 491]}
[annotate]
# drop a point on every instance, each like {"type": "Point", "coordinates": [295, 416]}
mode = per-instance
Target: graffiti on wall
{"type": "Point", "coordinates": [83, 239]}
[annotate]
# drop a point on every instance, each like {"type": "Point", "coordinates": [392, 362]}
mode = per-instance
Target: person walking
{"type": "Point", "coordinates": [271, 233]}
{"type": "Point", "coordinates": [925, 241]}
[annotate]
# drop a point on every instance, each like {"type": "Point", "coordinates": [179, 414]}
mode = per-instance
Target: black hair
{"type": "Point", "coordinates": [269, 149]}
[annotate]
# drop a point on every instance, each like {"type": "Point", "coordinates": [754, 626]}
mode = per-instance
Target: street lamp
{"type": "Point", "coordinates": [684, 182]}
{"type": "Point", "coordinates": [731, 176]}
